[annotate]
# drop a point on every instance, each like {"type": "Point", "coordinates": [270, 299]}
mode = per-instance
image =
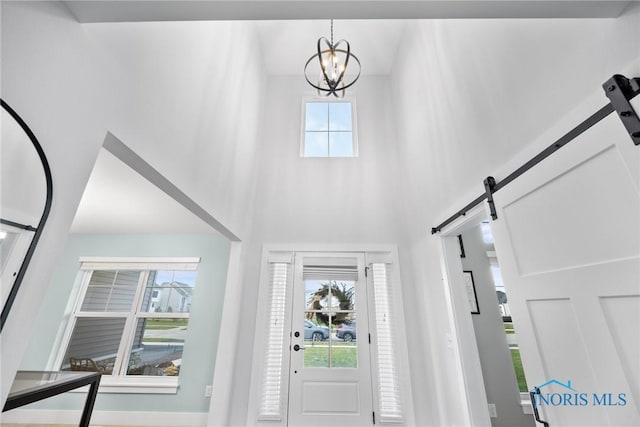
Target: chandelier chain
{"type": "Point", "coordinates": [332, 33]}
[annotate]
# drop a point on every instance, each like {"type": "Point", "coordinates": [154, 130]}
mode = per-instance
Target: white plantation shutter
{"type": "Point", "coordinates": [389, 399]}
{"type": "Point", "coordinates": [271, 402]}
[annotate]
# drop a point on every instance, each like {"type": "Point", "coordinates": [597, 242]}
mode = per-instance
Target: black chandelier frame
{"type": "Point", "coordinates": [333, 87]}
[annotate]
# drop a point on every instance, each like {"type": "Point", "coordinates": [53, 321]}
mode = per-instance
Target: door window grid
{"type": "Point", "coordinates": [330, 306]}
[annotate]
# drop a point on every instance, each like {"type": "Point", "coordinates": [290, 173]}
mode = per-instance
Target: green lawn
{"type": "Point", "coordinates": [166, 323]}
{"type": "Point", "coordinates": [343, 355]}
{"type": "Point", "coordinates": [517, 366]}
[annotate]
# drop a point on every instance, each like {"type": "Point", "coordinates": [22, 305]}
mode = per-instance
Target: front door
{"type": "Point", "coordinates": [330, 377]}
{"type": "Point", "coordinates": [568, 240]}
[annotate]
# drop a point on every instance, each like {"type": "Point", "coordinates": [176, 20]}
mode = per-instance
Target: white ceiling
{"type": "Point", "coordinates": [288, 30]}
{"type": "Point", "coordinates": [119, 200]}
{"type": "Point", "coordinates": [287, 45]}
{"type": "Point", "coordinates": [187, 10]}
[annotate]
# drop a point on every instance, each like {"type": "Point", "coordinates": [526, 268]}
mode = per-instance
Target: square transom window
{"type": "Point", "coordinates": [329, 129]}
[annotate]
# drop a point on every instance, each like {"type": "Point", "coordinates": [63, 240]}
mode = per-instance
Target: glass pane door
{"type": "Point", "coordinates": [330, 324]}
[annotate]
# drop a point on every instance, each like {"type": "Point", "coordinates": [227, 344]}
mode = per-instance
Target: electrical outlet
{"type": "Point", "coordinates": [492, 410]}
{"type": "Point", "coordinates": [208, 390]}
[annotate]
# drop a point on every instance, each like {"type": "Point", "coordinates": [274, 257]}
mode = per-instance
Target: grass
{"type": "Point", "coordinates": [343, 355]}
{"type": "Point", "coordinates": [517, 366]}
{"type": "Point", "coordinates": [165, 323]}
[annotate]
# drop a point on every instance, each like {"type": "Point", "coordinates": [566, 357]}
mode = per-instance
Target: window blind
{"type": "Point", "coordinates": [330, 268]}
{"type": "Point", "coordinates": [389, 398]}
{"type": "Point", "coordinates": [272, 384]}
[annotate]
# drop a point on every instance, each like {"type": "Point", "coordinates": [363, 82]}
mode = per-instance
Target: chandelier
{"type": "Point", "coordinates": [333, 60]}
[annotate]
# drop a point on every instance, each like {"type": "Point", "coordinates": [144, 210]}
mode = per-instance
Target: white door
{"type": "Point", "coordinates": [568, 240]}
{"type": "Point", "coordinates": [330, 377]}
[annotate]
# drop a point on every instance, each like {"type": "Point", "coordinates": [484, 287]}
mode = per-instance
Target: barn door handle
{"type": "Point", "coordinates": [532, 395]}
{"type": "Point", "coordinates": [297, 347]}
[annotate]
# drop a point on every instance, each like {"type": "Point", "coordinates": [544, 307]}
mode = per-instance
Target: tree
{"type": "Point", "coordinates": [331, 296]}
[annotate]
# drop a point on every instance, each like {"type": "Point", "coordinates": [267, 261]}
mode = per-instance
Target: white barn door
{"type": "Point", "coordinates": [568, 240]}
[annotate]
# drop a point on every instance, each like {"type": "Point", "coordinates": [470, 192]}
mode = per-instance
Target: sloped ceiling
{"type": "Point", "coordinates": [117, 200]}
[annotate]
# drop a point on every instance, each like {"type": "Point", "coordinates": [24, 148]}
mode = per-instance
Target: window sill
{"type": "Point", "coordinates": [139, 385]}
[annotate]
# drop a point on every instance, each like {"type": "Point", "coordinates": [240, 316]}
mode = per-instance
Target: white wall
{"type": "Point", "coordinates": [186, 97]}
{"type": "Point", "coordinates": [315, 200]}
{"type": "Point", "coordinates": [326, 200]}
{"type": "Point", "coordinates": [189, 100]}
{"type": "Point", "coordinates": [50, 77]}
{"type": "Point", "coordinates": [470, 98]}
{"type": "Point", "coordinates": [470, 94]}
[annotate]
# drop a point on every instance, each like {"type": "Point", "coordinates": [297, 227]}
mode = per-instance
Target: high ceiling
{"type": "Point", "coordinates": [118, 200]}
{"type": "Point", "coordinates": [288, 30]}
{"type": "Point", "coordinates": [187, 10]}
{"type": "Point", "coordinates": [287, 45]}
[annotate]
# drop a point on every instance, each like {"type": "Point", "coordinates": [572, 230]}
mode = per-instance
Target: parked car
{"type": "Point", "coordinates": [315, 332]}
{"type": "Point", "coordinates": [347, 331]}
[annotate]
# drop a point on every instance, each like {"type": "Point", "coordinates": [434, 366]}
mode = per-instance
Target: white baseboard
{"type": "Point", "coordinates": [99, 418]}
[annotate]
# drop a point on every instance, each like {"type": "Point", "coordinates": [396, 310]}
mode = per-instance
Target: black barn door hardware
{"type": "Point", "coordinates": [461, 244]}
{"type": "Point", "coordinates": [532, 396]}
{"type": "Point", "coordinates": [620, 91]}
{"type": "Point", "coordinates": [489, 189]}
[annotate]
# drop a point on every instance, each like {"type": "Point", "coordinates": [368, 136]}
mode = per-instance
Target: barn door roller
{"type": "Point", "coordinates": [620, 90]}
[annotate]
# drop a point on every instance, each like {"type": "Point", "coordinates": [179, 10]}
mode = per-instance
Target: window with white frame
{"type": "Point", "coordinates": [130, 317]}
{"type": "Point", "coordinates": [329, 129]}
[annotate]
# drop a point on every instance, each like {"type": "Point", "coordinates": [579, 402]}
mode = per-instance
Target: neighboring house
{"type": "Point", "coordinates": [174, 296]}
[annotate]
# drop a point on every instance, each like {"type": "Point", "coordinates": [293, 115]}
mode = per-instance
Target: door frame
{"type": "Point", "coordinates": [259, 341]}
{"type": "Point", "coordinates": [470, 381]}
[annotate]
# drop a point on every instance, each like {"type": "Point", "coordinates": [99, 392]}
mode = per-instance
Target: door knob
{"type": "Point", "coordinates": [297, 347]}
